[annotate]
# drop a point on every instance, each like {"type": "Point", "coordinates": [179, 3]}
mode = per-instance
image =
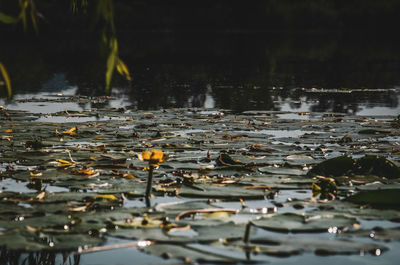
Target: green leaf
{"type": "Point", "coordinates": [111, 62]}
{"type": "Point", "coordinates": [287, 246]}
{"type": "Point", "coordinates": [389, 197]}
{"type": "Point", "coordinates": [376, 165]}
{"type": "Point", "coordinates": [283, 171]}
{"type": "Point", "coordinates": [337, 166]}
{"type": "Point", "coordinates": [195, 252]}
{"type": "Point", "coordinates": [7, 80]}
{"type": "Point", "coordinates": [298, 223]}
{"type": "Point", "coordinates": [8, 19]}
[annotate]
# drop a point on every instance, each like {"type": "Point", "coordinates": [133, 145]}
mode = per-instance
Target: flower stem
{"type": "Point", "coordinates": [149, 182]}
{"type": "Point", "coordinates": [247, 233]}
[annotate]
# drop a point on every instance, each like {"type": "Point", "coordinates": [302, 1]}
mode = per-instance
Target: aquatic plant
{"type": "Point", "coordinates": [7, 81]}
{"type": "Point", "coordinates": [155, 158]}
{"type": "Point", "coordinates": [104, 17]}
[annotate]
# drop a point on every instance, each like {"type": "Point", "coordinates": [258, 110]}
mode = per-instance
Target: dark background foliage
{"type": "Point", "coordinates": [175, 48]}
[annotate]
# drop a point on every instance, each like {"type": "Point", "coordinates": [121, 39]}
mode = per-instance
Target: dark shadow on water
{"type": "Point", "coordinates": [12, 257]}
{"type": "Point", "coordinates": [239, 71]}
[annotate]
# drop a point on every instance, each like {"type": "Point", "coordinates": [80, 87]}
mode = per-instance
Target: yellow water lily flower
{"type": "Point", "coordinates": [155, 157]}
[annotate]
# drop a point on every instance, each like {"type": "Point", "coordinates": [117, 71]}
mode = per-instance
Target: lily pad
{"type": "Point", "coordinates": [377, 233]}
{"type": "Point", "coordinates": [283, 171]}
{"type": "Point", "coordinates": [300, 159]}
{"type": "Point", "coordinates": [320, 246]}
{"type": "Point", "coordinates": [229, 192]}
{"type": "Point", "coordinates": [297, 223]}
{"type": "Point", "coordinates": [379, 166]}
{"type": "Point", "coordinates": [194, 252]}
{"type": "Point", "coordinates": [337, 166]}
{"type": "Point", "coordinates": [389, 197]}
{"type": "Point", "coordinates": [367, 165]}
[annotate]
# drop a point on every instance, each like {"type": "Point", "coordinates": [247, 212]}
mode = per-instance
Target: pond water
{"type": "Point", "coordinates": [278, 107]}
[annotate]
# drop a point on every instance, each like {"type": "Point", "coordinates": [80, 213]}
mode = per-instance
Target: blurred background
{"type": "Point", "coordinates": [232, 54]}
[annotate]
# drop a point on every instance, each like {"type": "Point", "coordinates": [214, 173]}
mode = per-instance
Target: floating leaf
{"type": "Point", "coordinates": [373, 131]}
{"type": "Point", "coordinates": [287, 246]}
{"type": "Point", "coordinates": [300, 159]}
{"type": "Point", "coordinates": [211, 213]}
{"type": "Point", "coordinates": [194, 253]}
{"type": "Point", "coordinates": [297, 223]}
{"type": "Point", "coordinates": [231, 192]}
{"type": "Point", "coordinates": [389, 197]}
{"type": "Point", "coordinates": [283, 171]}
{"type": "Point", "coordinates": [225, 160]}
{"type": "Point", "coordinates": [367, 165]}
{"type": "Point", "coordinates": [379, 166]}
{"type": "Point", "coordinates": [337, 166]}
{"type": "Point", "coordinates": [139, 222]}
{"type": "Point", "coordinates": [377, 233]}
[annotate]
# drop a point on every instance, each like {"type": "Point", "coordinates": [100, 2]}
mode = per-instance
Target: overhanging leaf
{"type": "Point", "coordinates": [7, 80]}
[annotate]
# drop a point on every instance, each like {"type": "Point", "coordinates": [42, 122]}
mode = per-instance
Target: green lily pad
{"type": "Point", "coordinates": [32, 241]}
{"type": "Point", "coordinates": [195, 252]}
{"type": "Point", "coordinates": [21, 240]}
{"type": "Point", "coordinates": [228, 192]}
{"type": "Point", "coordinates": [244, 176]}
{"type": "Point", "coordinates": [379, 166]}
{"type": "Point", "coordinates": [300, 159]}
{"type": "Point", "coordinates": [320, 246]}
{"type": "Point", "coordinates": [367, 165]}
{"type": "Point", "coordinates": [297, 223]}
{"type": "Point", "coordinates": [373, 131]}
{"type": "Point", "coordinates": [337, 166]}
{"type": "Point", "coordinates": [377, 233]}
{"type": "Point", "coordinates": [389, 197]}
{"type": "Point", "coordinates": [283, 171]}
{"type": "Point", "coordinates": [172, 209]}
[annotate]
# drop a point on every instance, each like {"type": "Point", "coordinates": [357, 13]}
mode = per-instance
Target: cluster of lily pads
{"type": "Point", "coordinates": [237, 184]}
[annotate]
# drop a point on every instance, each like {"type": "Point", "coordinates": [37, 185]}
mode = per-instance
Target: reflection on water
{"type": "Point", "coordinates": [306, 105]}
{"type": "Point", "coordinates": [230, 71]}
